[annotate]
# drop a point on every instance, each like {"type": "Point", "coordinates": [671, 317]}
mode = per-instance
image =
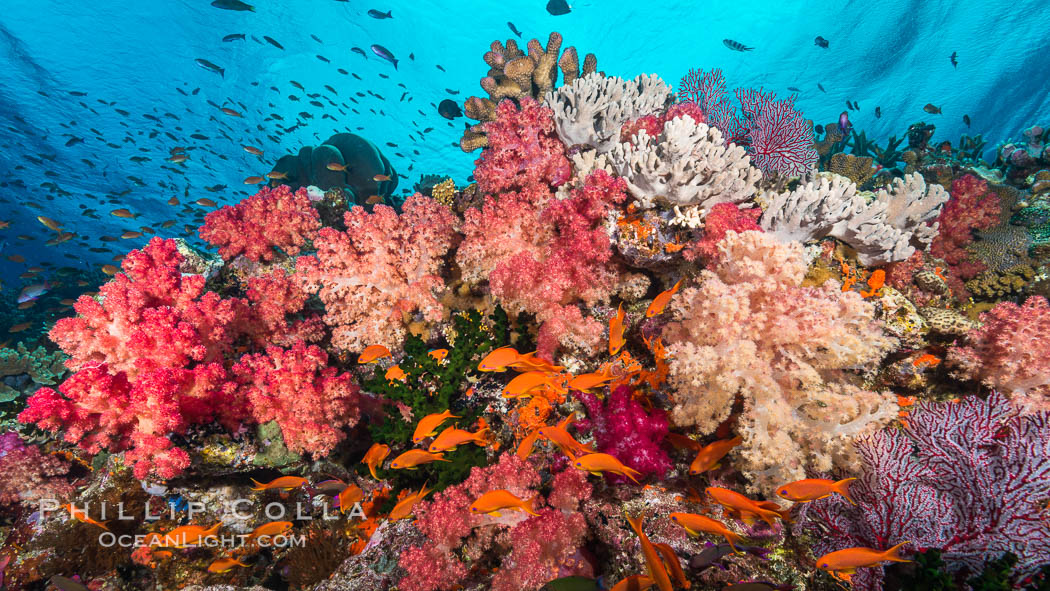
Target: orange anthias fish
{"type": "Point", "coordinates": [375, 456]}
{"type": "Point", "coordinates": [746, 509]}
{"type": "Point", "coordinates": [568, 445]}
{"type": "Point", "coordinates": [843, 563]}
{"type": "Point", "coordinates": [598, 463]}
{"type": "Point", "coordinates": [373, 353]}
{"type": "Point", "coordinates": [695, 524]}
{"type": "Point", "coordinates": [498, 359]}
{"type": "Point", "coordinates": [634, 583]}
{"type": "Point", "coordinates": [526, 445]}
{"type": "Point", "coordinates": [336, 167]}
{"type": "Point", "coordinates": [252, 180]}
{"type": "Point", "coordinates": [284, 482]}
{"type": "Point", "coordinates": [404, 507]}
{"type": "Point", "coordinates": [656, 307]}
{"type": "Point", "coordinates": [451, 438]}
{"type": "Point", "coordinates": [530, 362]}
{"type": "Point", "coordinates": [122, 213]}
{"type": "Point", "coordinates": [927, 359]}
{"type": "Point", "coordinates": [616, 329]}
{"type": "Point", "coordinates": [273, 174]}
{"type": "Point", "coordinates": [187, 535]}
{"type": "Point", "coordinates": [50, 223]}
{"type": "Point", "coordinates": [379, 178]}
{"type": "Point", "coordinates": [708, 457]}
{"type": "Point", "coordinates": [587, 381]}
{"type": "Point", "coordinates": [428, 425]}
{"type": "Point", "coordinates": [673, 564]}
{"type": "Point", "coordinates": [395, 373]}
{"type": "Point", "coordinates": [225, 564]}
{"type": "Point", "coordinates": [493, 501]}
{"type": "Point", "coordinates": [350, 495]}
{"type": "Point", "coordinates": [657, 570]}
{"type": "Point", "coordinates": [82, 516]}
{"type": "Point", "coordinates": [273, 529]}
{"type": "Point", "coordinates": [413, 458]}
{"type": "Point", "coordinates": [438, 354]}
{"type": "Point", "coordinates": [253, 150]}
{"type": "Point", "coordinates": [875, 283]}
{"type": "Point", "coordinates": [525, 383]}
{"type": "Point", "coordinates": [811, 489]}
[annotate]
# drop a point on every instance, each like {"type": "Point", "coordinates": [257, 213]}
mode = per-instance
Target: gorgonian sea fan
{"type": "Point", "coordinates": [969, 478]}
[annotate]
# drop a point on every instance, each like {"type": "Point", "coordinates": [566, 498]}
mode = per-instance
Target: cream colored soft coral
{"type": "Point", "coordinates": [788, 352]}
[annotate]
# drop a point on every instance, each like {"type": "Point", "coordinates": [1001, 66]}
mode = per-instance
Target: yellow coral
{"type": "Point", "coordinates": [444, 192]}
{"type": "Point", "coordinates": [856, 168]}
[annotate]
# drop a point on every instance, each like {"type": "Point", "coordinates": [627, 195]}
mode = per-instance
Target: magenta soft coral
{"type": "Point", "coordinates": [148, 356]}
{"type": "Point", "coordinates": [295, 387]}
{"type": "Point", "coordinates": [271, 219]}
{"type": "Point", "coordinates": [383, 268]}
{"type": "Point", "coordinates": [523, 149]}
{"type": "Point", "coordinates": [624, 429]}
{"type": "Point", "coordinates": [545, 256]}
{"type": "Point", "coordinates": [536, 549]}
{"type": "Point", "coordinates": [1010, 352]}
{"type": "Point", "coordinates": [972, 207]}
{"type": "Point", "coordinates": [29, 475]}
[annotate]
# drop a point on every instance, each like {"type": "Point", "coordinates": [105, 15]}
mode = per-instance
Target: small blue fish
{"type": "Point", "coordinates": [821, 88]}
{"type": "Point", "coordinates": [736, 45]}
{"type": "Point", "coordinates": [210, 66]}
{"type": "Point", "coordinates": [514, 29]}
{"type": "Point", "coordinates": [384, 53]}
{"type": "Point", "coordinates": [360, 51]}
{"type": "Point", "coordinates": [233, 37]}
{"type": "Point", "coordinates": [380, 15]}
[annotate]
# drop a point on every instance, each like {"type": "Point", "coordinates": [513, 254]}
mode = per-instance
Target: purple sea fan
{"type": "Point", "coordinates": [970, 478]}
{"type": "Point", "coordinates": [623, 429]}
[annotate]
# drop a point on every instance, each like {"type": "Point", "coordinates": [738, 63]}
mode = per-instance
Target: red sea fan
{"type": "Point", "coordinates": [272, 218]}
{"type": "Point", "coordinates": [969, 478]}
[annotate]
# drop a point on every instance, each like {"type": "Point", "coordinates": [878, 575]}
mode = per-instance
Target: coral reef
{"type": "Point", "coordinates": [271, 219]}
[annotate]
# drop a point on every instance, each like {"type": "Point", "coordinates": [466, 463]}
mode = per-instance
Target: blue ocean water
{"type": "Point", "coordinates": [71, 67]}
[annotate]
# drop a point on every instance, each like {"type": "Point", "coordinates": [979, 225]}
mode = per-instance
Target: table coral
{"type": "Point", "coordinates": [271, 219]}
{"type": "Point", "coordinates": [383, 269]}
{"type": "Point", "coordinates": [1010, 352]}
{"type": "Point", "coordinates": [969, 478]}
{"type": "Point", "coordinates": [750, 331]}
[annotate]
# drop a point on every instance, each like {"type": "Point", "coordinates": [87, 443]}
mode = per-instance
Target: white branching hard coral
{"type": "Point", "coordinates": [687, 164]}
{"type": "Point", "coordinates": [888, 229]}
{"type": "Point", "coordinates": [592, 109]}
{"type": "Point", "coordinates": [751, 332]}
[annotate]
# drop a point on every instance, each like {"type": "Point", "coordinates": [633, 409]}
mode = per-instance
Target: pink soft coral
{"type": "Point", "coordinates": [751, 333]}
{"type": "Point", "coordinates": [545, 256]}
{"type": "Point", "coordinates": [723, 217]}
{"type": "Point", "coordinates": [272, 218]}
{"type": "Point", "coordinates": [381, 270]}
{"type": "Point", "coordinates": [536, 549]}
{"type": "Point", "coordinates": [275, 297]}
{"type": "Point", "coordinates": [29, 475]}
{"type": "Point", "coordinates": [1011, 352]}
{"type": "Point", "coordinates": [295, 387]}
{"type": "Point", "coordinates": [624, 429]}
{"type": "Point", "coordinates": [148, 356]}
{"type": "Point", "coordinates": [972, 207]}
{"type": "Point", "coordinates": [523, 149]}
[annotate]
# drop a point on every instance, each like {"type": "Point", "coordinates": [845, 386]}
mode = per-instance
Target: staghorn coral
{"type": "Point", "coordinates": [148, 361]}
{"type": "Point", "coordinates": [969, 478]}
{"type": "Point", "coordinates": [271, 219]}
{"type": "Point", "coordinates": [383, 269]}
{"type": "Point", "coordinates": [750, 332]}
{"type": "Point", "coordinates": [888, 229]}
{"type": "Point", "coordinates": [295, 387]}
{"type": "Point", "coordinates": [592, 110]}
{"type": "Point", "coordinates": [522, 150]}
{"type": "Point", "coordinates": [1010, 352]}
{"type": "Point", "coordinates": [686, 164]}
{"type": "Point", "coordinates": [546, 256]}
{"type": "Point", "coordinates": [514, 75]}
{"type": "Point", "coordinates": [623, 428]}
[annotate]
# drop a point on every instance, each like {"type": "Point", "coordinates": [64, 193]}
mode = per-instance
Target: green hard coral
{"type": "Point", "coordinates": [432, 386]}
{"type": "Point", "coordinates": [23, 371]}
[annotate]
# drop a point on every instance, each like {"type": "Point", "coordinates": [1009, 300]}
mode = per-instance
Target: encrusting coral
{"type": "Point", "coordinates": [749, 332]}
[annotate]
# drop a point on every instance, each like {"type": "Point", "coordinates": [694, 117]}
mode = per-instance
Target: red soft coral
{"type": "Point", "coordinates": [545, 256]}
{"type": "Point", "coordinates": [148, 360]}
{"type": "Point", "coordinates": [29, 475]}
{"type": "Point", "coordinates": [541, 550]}
{"type": "Point", "coordinates": [381, 270]}
{"type": "Point", "coordinates": [971, 207]}
{"type": "Point", "coordinates": [295, 387]}
{"type": "Point", "coordinates": [722, 218]}
{"type": "Point", "coordinates": [274, 297]}
{"type": "Point", "coordinates": [1010, 352]}
{"type": "Point", "coordinates": [272, 218]}
{"type": "Point", "coordinates": [523, 149]}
